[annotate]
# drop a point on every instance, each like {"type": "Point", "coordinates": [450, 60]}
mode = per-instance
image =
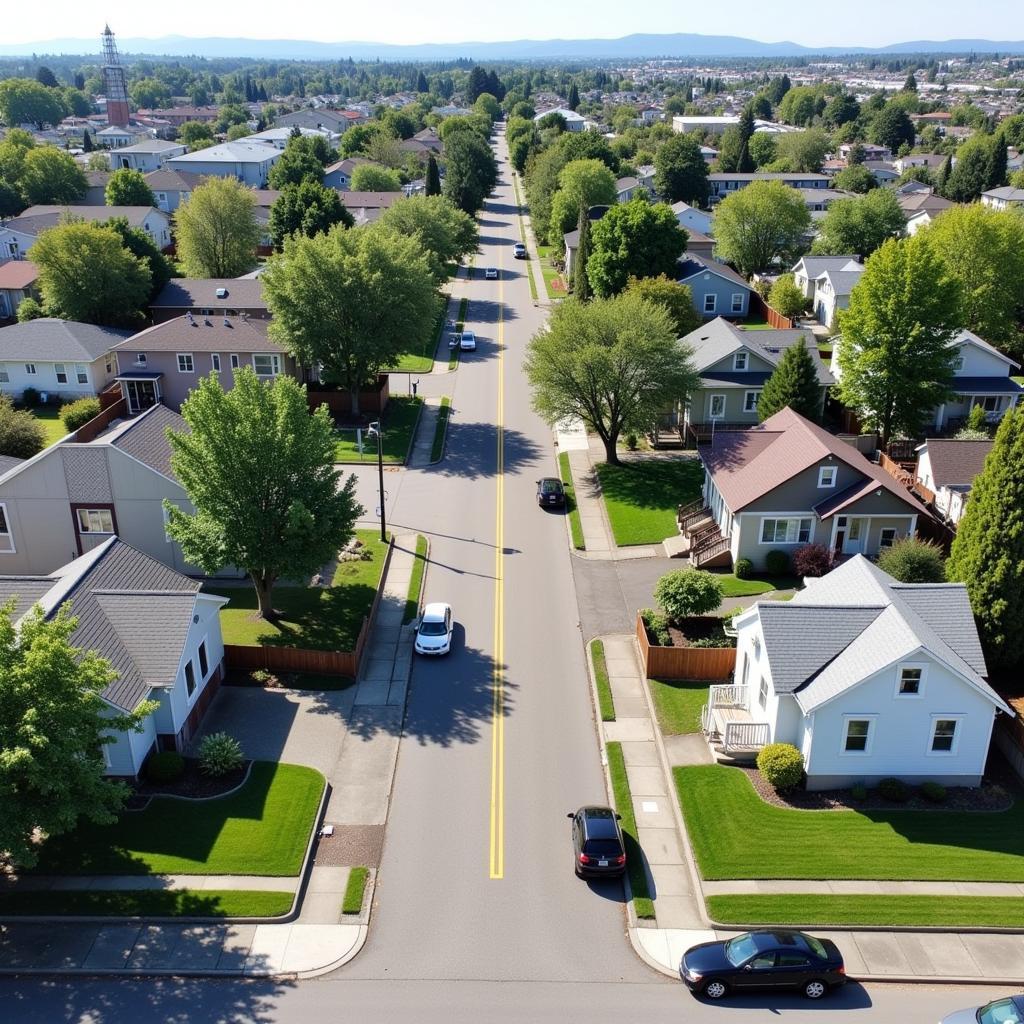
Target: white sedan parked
{"type": "Point", "coordinates": [434, 632]}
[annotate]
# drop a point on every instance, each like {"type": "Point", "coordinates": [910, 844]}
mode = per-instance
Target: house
{"type": "Point", "coordinates": [156, 627]}
{"type": "Point", "coordinates": [717, 289]}
{"type": "Point", "coordinates": [626, 188]}
{"type": "Point", "coordinates": [808, 269]}
{"type": "Point", "coordinates": [691, 218]}
{"type": "Point", "coordinates": [209, 297]}
{"type": "Point", "coordinates": [832, 290]}
{"type": "Point", "coordinates": [339, 174]}
{"type": "Point", "coordinates": [733, 365]}
{"type": "Point", "coordinates": [867, 677]}
{"type": "Point", "coordinates": [818, 200]}
{"type": "Point", "coordinates": [172, 188]}
{"type": "Point", "coordinates": [177, 116]}
{"type": "Point", "coordinates": [322, 118]}
{"type": "Point", "coordinates": [788, 482]}
{"type": "Point", "coordinates": [278, 137]}
{"type": "Point", "coordinates": [981, 376]}
{"type": "Point", "coordinates": [571, 239]}
{"type": "Point", "coordinates": [59, 358]}
{"type": "Point", "coordinates": [95, 189]}
{"type": "Point", "coordinates": [164, 362]}
{"type": "Point", "coordinates": [723, 184]}
{"type": "Point", "coordinates": [868, 150]}
{"type": "Point", "coordinates": [19, 234]}
{"type": "Point", "coordinates": [366, 207]}
{"type": "Point", "coordinates": [116, 137]}
{"type": "Point", "coordinates": [709, 153]}
{"type": "Point", "coordinates": [882, 171]}
{"type": "Point", "coordinates": [1003, 198]}
{"type": "Point", "coordinates": [249, 162]}
{"type": "Point", "coordinates": [921, 208]}
{"type": "Point", "coordinates": [17, 283]}
{"type": "Point", "coordinates": [705, 124]}
{"type": "Point", "coordinates": [425, 143]}
{"type": "Point", "coordinates": [148, 155]}
{"type": "Point", "coordinates": [932, 161]}
{"type": "Point", "coordinates": [645, 175]}
{"type": "Point", "coordinates": [947, 467]}
{"type": "Point", "coordinates": [573, 122]}
{"type": "Point", "coordinates": [700, 245]}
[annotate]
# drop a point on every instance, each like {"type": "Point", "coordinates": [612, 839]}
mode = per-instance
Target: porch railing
{"type": "Point", "coordinates": [728, 695]}
{"type": "Point", "coordinates": [693, 518]}
{"type": "Point", "coordinates": [711, 548]}
{"type": "Point", "coordinates": [745, 736]}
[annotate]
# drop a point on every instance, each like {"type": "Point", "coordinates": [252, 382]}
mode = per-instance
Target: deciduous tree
{"type": "Point", "coordinates": [674, 297]}
{"type": "Point", "coordinates": [141, 245]}
{"type": "Point", "coordinates": [860, 225]}
{"type": "Point", "coordinates": [371, 178]}
{"type": "Point", "coordinates": [759, 224]}
{"type": "Point", "coordinates": [25, 101]}
{"type": "Point", "coordinates": [786, 297]}
{"type": "Point", "coordinates": [891, 127]}
{"type": "Point", "coordinates": [445, 232]}
{"type": "Point", "coordinates": [216, 229]}
{"type": "Point", "coordinates": [128, 188]}
{"type": "Point", "coordinates": [472, 171]}
{"type": "Point", "coordinates": [309, 209]}
{"type": "Point", "coordinates": [681, 172]}
{"type": "Point", "coordinates": [581, 183]}
{"type": "Point", "coordinates": [51, 176]}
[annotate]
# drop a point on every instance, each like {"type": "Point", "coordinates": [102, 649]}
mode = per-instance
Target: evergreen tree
{"type": "Point", "coordinates": [44, 76]}
{"type": "Point", "coordinates": [475, 84]}
{"type": "Point", "coordinates": [580, 282]}
{"type": "Point", "coordinates": [794, 382]}
{"type": "Point", "coordinates": [997, 164]}
{"type": "Point", "coordinates": [421, 83]}
{"type": "Point", "coordinates": [87, 146]}
{"type": "Point", "coordinates": [910, 85]}
{"type": "Point", "coordinates": [942, 175]}
{"type": "Point", "coordinates": [745, 163]}
{"type": "Point", "coordinates": [574, 97]}
{"type": "Point", "coordinates": [433, 178]}
{"type": "Point", "coordinates": [988, 551]}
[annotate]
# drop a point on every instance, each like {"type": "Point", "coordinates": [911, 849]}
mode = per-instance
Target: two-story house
{"type": "Point", "coordinates": [172, 188]}
{"type": "Point", "coordinates": [323, 118]}
{"type": "Point", "coordinates": [692, 219]}
{"type": "Point", "coordinates": [832, 291]}
{"type": "Point", "coordinates": [808, 269]}
{"type": "Point", "coordinates": [947, 467]}
{"type": "Point", "coordinates": [725, 183]}
{"type": "Point", "coordinates": [716, 288]}
{"type": "Point", "coordinates": [156, 627]}
{"type": "Point", "coordinates": [788, 482]}
{"type": "Point", "coordinates": [867, 677]}
{"type": "Point", "coordinates": [148, 155]}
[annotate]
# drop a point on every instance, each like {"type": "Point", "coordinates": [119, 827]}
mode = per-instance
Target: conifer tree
{"type": "Point", "coordinates": [580, 282]}
{"type": "Point", "coordinates": [794, 382]}
{"type": "Point", "coordinates": [433, 178]}
{"type": "Point", "coordinates": [574, 97]}
{"type": "Point", "coordinates": [87, 146]}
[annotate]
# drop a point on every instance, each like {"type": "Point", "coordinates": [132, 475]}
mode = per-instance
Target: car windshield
{"type": "Point", "coordinates": [1002, 1011]}
{"type": "Point", "coordinates": [432, 629]}
{"type": "Point", "coordinates": [740, 949]}
{"type": "Point", "coordinates": [601, 848]}
{"type": "Point", "coordinates": [550, 486]}
{"type": "Point", "coordinates": [816, 947]}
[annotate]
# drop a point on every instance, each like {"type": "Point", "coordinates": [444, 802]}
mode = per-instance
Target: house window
{"type": "Point", "coordinates": [215, 361]}
{"type": "Point", "coordinates": [710, 303]}
{"type": "Point", "coordinates": [717, 407]}
{"type": "Point", "coordinates": [958, 364]}
{"type": "Point", "coordinates": [990, 403]}
{"type": "Point", "coordinates": [887, 537]}
{"type": "Point", "coordinates": [750, 400]}
{"type": "Point", "coordinates": [204, 664]}
{"type": "Point", "coordinates": [785, 531]}
{"type": "Point", "coordinates": [762, 693]}
{"type": "Point", "coordinates": [827, 476]}
{"type": "Point", "coordinates": [737, 302]}
{"type": "Point", "coordinates": [6, 537]}
{"type": "Point", "coordinates": [739, 361]}
{"type": "Point", "coordinates": [95, 520]}
{"type": "Point", "coordinates": [944, 735]}
{"type": "Point", "coordinates": [234, 360]}
{"type": "Point", "coordinates": [267, 364]}
{"type": "Point", "coordinates": [910, 682]}
{"type": "Point", "coordinates": [81, 373]}
{"type": "Point", "coordinates": [140, 358]}
{"type": "Point", "coordinates": [165, 515]}
{"type": "Point", "coordinates": [746, 670]}
{"type": "Point", "coordinates": [185, 364]}
{"type": "Point", "coordinates": [62, 373]}
{"type": "Point", "coordinates": [30, 369]}
{"type": "Point", "coordinates": [110, 366]}
{"type": "Point", "coordinates": [5, 377]}
{"type": "Point", "coordinates": [857, 736]}
{"type": "Point", "coordinates": [190, 677]}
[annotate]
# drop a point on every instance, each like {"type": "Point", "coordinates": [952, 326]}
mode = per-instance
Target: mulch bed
{"type": "Point", "coordinates": [699, 627]}
{"type": "Point", "coordinates": [192, 784]}
{"type": "Point", "coordinates": [991, 795]}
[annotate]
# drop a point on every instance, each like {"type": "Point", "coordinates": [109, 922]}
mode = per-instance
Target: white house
{"type": "Point", "coordinates": [573, 122]}
{"type": "Point", "coordinates": [249, 162]}
{"type": "Point", "coordinates": [947, 467]}
{"type": "Point", "coordinates": [810, 268]}
{"type": "Point", "coordinates": [116, 137]}
{"type": "Point", "coordinates": [19, 234]}
{"type": "Point", "coordinates": [156, 627]}
{"type": "Point", "coordinates": [692, 219]}
{"type": "Point", "coordinates": [1003, 198]}
{"type": "Point", "coordinates": [278, 137]}
{"type": "Point", "coordinates": [869, 678]}
{"type": "Point", "coordinates": [148, 155]}
{"type": "Point", "coordinates": [832, 290]}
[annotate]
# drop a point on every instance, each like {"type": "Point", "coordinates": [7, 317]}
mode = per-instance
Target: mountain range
{"type": "Point", "coordinates": [679, 44]}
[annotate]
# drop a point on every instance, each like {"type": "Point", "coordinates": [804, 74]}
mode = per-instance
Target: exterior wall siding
{"type": "Point", "coordinates": [45, 378]}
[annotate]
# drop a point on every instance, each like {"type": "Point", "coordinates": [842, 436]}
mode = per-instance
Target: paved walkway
{"type": "Point", "coordinates": [423, 444]}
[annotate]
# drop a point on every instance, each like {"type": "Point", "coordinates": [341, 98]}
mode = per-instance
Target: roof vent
{"type": "Point", "coordinates": [206, 320]}
{"type": "Point", "coordinates": [222, 293]}
{"type": "Point", "coordinates": [227, 322]}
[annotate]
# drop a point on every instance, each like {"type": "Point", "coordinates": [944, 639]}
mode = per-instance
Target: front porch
{"type": "Point", "coordinates": [728, 726]}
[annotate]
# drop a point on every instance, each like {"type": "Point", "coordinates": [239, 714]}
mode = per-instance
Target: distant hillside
{"type": "Point", "coordinates": [680, 44]}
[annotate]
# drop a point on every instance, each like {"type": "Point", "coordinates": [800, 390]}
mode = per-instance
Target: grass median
{"type": "Point", "coordinates": [605, 703]}
{"type": "Point", "coordinates": [419, 565]}
{"type": "Point", "coordinates": [571, 509]}
{"type": "Point", "coordinates": [441, 429]}
{"type": "Point", "coordinates": [214, 903]}
{"type": "Point", "coordinates": [352, 902]}
{"type": "Point", "coordinates": [642, 902]}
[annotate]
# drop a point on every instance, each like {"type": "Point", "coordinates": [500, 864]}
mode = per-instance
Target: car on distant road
{"type": "Point", "coordinates": [999, 1011]}
{"type": "Point", "coordinates": [434, 630]}
{"type": "Point", "coordinates": [550, 492]}
{"type": "Point", "coordinates": [519, 251]}
{"type": "Point", "coordinates": [767, 958]}
{"type": "Point", "coordinates": [491, 274]}
{"type": "Point", "coordinates": [597, 846]}
{"type": "Point", "coordinates": [467, 342]}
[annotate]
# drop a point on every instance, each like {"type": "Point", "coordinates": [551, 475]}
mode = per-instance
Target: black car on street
{"type": "Point", "coordinates": [597, 846]}
{"type": "Point", "coordinates": [550, 492]}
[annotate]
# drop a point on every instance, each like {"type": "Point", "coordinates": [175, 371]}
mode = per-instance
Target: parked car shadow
{"type": "Point", "coordinates": [852, 996]}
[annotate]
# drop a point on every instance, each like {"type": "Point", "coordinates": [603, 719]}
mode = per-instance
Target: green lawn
{"type": "Point", "coordinates": [53, 426]}
{"type": "Point", "coordinates": [813, 910]}
{"type": "Point", "coordinates": [550, 274]}
{"type": "Point", "coordinates": [733, 586]}
{"type": "Point", "coordinates": [440, 429]}
{"type": "Point", "coordinates": [575, 524]}
{"type": "Point", "coordinates": [756, 323]}
{"type": "Point", "coordinates": [400, 417]}
{"type": "Point", "coordinates": [421, 359]}
{"type": "Point", "coordinates": [723, 813]}
{"type": "Point", "coordinates": [147, 903]}
{"type": "Point", "coordinates": [412, 600]}
{"type": "Point", "coordinates": [604, 689]}
{"type": "Point", "coordinates": [678, 704]}
{"type": "Point", "coordinates": [642, 902]}
{"type": "Point", "coordinates": [316, 618]}
{"type": "Point", "coordinates": [642, 496]}
{"type": "Point", "coordinates": [352, 902]}
{"type": "Point", "coordinates": [261, 829]}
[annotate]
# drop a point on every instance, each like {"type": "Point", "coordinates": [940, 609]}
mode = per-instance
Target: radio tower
{"type": "Point", "coordinates": [114, 84]}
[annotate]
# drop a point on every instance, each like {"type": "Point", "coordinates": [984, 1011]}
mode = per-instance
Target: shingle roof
{"type": "Point", "coordinates": [8, 462]}
{"type": "Point", "coordinates": [690, 265]}
{"type": "Point", "coordinates": [39, 218]}
{"type": "Point", "coordinates": [369, 200]}
{"type": "Point", "coordinates": [201, 292]}
{"type": "Point", "coordinates": [49, 339]}
{"type": "Point", "coordinates": [1007, 193]}
{"type": "Point", "coordinates": [815, 266]}
{"type": "Point", "coordinates": [18, 274]}
{"type": "Point", "coordinates": [766, 176]}
{"type": "Point", "coordinates": [204, 334]}
{"type": "Point", "coordinates": [145, 437]}
{"type": "Point", "coordinates": [918, 202]}
{"type": "Point", "coordinates": [956, 463]}
{"type": "Point", "coordinates": [842, 281]}
{"type": "Point", "coordinates": [169, 180]}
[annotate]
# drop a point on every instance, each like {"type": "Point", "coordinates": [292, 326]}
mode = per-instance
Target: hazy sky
{"type": "Point", "coordinates": [861, 22]}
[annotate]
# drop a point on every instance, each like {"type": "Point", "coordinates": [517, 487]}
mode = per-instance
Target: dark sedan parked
{"type": "Point", "coordinates": [550, 492]}
{"type": "Point", "coordinates": [763, 959]}
{"type": "Point", "coordinates": [597, 846]}
{"type": "Point", "coordinates": [999, 1011]}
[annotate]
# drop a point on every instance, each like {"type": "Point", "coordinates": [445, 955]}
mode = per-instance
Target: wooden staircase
{"type": "Point", "coordinates": [709, 548]}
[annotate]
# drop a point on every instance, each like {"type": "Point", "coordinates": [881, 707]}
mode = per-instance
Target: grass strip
{"type": "Point", "coordinates": [813, 910]}
{"type": "Point", "coordinates": [678, 704]}
{"type": "Point", "coordinates": [642, 496]}
{"type": "Point", "coordinates": [642, 902]}
{"type": "Point", "coordinates": [147, 903]}
{"type": "Point", "coordinates": [533, 284]}
{"type": "Point", "coordinates": [354, 890]}
{"type": "Point", "coordinates": [733, 586]}
{"type": "Point", "coordinates": [723, 812]}
{"type": "Point", "coordinates": [604, 688]}
{"type": "Point", "coordinates": [419, 565]}
{"type": "Point", "coordinates": [575, 525]}
{"type": "Point", "coordinates": [401, 415]}
{"type": "Point", "coordinates": [440, 429]}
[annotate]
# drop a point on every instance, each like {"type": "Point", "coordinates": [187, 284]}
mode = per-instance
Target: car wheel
{"type": "Point", "coordinates": [815, 988]}
{"type": "Point", "coordinates": [715, 988]}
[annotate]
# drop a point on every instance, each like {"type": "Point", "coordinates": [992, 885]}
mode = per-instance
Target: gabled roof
{"type": "Point", "coordinates": [955, 463]}
{"type": "Point", "coordinates": [815, 266]}
{"type": "Point", "coordinates": [145, 437]}
{"type": "Point", "coordinates": [39, 218]}
{"type": "Point", "coordinates": [746, 465]}
{"type": "Point", "coordinates": [369, 200]}
{"type": "Point", "coordinates": [1007, 193]}
{"type": "Point", "coordinates": [18, 274]}
{"type": "Point", "coordinates": [170, 180]}
{"type": "Point", "coordinates": [966, 337]}
{"type": "Point", "coordinates": [230, 153]}
{"type": "Point", "coordinates": [204, 334]}
{"type": "Point", "coordinates": [690, 265]}
{"type": "Point", "coordinates": [920, 202]}
{"type": "Point", "coordinates": [842, 281]}
{"type": "Point", "coordinates": [49, 339]}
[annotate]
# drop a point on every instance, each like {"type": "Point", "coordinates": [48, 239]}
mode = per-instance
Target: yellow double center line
{"type": "Point", "coordinates": [497, 844]}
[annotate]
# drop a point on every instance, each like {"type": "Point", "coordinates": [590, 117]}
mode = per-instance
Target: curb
{"type": "Point", "coordinates": [357, 948]}
{"type": "Point", "coordinates": [646, 957]}
{"type": "Point", "coordinates": [444, 436]}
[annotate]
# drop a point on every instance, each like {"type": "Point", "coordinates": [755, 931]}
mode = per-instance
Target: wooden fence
{"type": "Point", "coordinates": [758, 307]}
{"type": "Point", "coordinates": [683, 662]}
{"type": "Point", "coordinates": [339, 403]}
{"type": "Point", "coordinates": [91, 430]}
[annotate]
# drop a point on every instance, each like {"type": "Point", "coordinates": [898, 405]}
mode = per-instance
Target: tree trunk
{"type": "Point", "coordinates": [611, 452]}
{"type": "Point", "coordinates": [264, 597]}
{"type": "Point", "coordinates": [353, 394]}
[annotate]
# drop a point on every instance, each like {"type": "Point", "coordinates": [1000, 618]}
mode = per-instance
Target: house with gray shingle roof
{"type": "Point", "coordinates": [249, 162]}
{"type": "Point", "coordinates": [19, 234]}
{"type": "Point", "coordinates": [947, 467]}
{"type": "Point", "coordinates": [867, 677]}
{"type": "Point", "coordinates": [156, 627]}
{"type": "Point", "coordinates": [717, 289]}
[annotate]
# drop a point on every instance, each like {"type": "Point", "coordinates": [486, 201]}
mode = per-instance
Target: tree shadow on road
{"type": "Point", "coordinates": [488, 311]}
{"type": "Point", "coordinates": [473, 450]}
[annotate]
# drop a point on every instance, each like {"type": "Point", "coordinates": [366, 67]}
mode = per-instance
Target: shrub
{"type": "Point", "coordinates": [688, 592]}
{"type": "Point", "coordinates": [657, 626]}
{"type": "Point", "coordinates": [812, 560]}
{"type": "Point", "coordinates": [30, 398]}
{"type": "Point", "coordinates": [911, 560]}
{"type": "Point", "coordinates": [76, 414]}
{"type": "Point", "coordinates": [859, 792]}
{"type": "Point", "coordinates": [976, 419]}
{"type": "Point", "coordinates": [712, 641]}
{"type": "Point", "coordinates": [21, 434]}
{"type": "Point", "coordinates": [933, 792]}
{"type": "Point", "coordinates": [261, 676]}
{"type": "Point", "coordinates": [781, 765]}
{"type": "Point", "coordinates": [219, 754]}
{"type": "Point", "coordinates": [744, 569]}
{"type": "Point", "coordinates": [165, 766]}
{"type": "Point", "coordinates": [895, 790]}
{"type": "Point", "coordinates": [29, 309]}
{"type": "Point", "coordinates": [776, 563]}
{"type": "Point", "coordinates": [632, 441]}
{"type": "Point", "coordinates": [786, 298]}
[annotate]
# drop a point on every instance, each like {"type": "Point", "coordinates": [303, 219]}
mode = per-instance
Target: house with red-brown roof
{"type": "Point", "coordinates": [17, 283]}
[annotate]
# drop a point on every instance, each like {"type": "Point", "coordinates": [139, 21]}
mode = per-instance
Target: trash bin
{"type": "Point", "coordinates": [44, 398]}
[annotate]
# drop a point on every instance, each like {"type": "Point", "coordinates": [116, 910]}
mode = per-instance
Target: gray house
{"type": "Point", "coordinates": [147, 155]}
{"type": "Point", "coordinates": [172, 188]}
{"type": "Point", "coordinates": [209, 297]}
{"type": "Point", "coordinates": [725, 183]}
{"type": "Point", "coordinates": [249, 162]}
{"type": "Point", "coordinates": [717, 289]}
{"type": "Point", "coordinates": [319, 118]}
{"type": "Point", "coordinates": [787, 483]}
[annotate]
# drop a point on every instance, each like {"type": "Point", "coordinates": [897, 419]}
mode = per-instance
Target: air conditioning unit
{"type": "Point", "coordinates": [222, 293]}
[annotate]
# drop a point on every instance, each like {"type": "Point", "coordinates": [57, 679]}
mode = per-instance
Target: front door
{"type": "Point", "coordinates": [141, 394]}
{"type": "Point", "coordinates": [856, 535]}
